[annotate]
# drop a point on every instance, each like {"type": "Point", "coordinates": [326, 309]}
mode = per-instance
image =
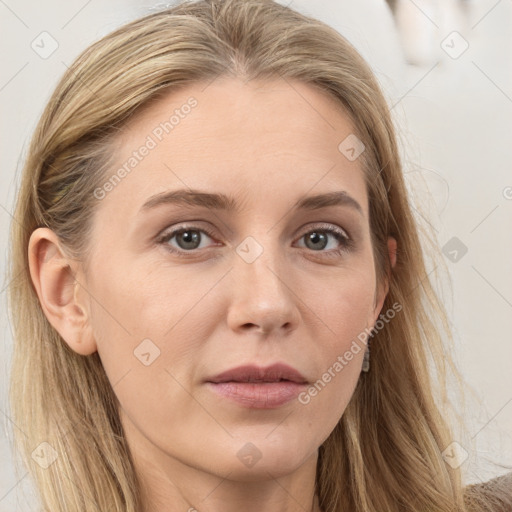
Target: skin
{"type": "Point", "coordinates": [267, 144]}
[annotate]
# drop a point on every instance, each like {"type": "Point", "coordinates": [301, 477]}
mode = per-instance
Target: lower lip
{"type": "Point", "coordinates": [264, 395]}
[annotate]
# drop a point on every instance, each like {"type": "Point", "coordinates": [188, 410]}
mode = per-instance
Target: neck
{"type": "Point", "coordinates": [182, 488]}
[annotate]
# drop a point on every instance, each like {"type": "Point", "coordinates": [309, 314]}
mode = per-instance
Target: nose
{"type": "Point", "coordinates": [262, 296]}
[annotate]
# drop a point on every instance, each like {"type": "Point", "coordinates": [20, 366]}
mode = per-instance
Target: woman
{"type": "Point", "coordinates": [181, 341]}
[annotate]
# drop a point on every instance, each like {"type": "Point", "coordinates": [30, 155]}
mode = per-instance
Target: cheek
{"type": "Point", "coordinates": [353, 310]}
{"type": "Point", "coordinates": [345, 308]}
{"type": "Point", "coordinates": [137, 301]}
{"type": "Point", "coordinates": [345, 304]}
{"type": "Point", "coordinates": [147, 335]}
{"type": "Point", "coordinates": [169, 312]}
{"type": "Point", "coordinates": [153, 322]}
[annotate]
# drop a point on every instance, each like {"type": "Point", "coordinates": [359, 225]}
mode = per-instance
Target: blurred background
{"type": "Point", "coordinates": [446, 69]}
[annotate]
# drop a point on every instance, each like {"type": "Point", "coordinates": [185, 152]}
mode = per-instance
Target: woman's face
{"type": "Point", "coordinates": [254, 278]}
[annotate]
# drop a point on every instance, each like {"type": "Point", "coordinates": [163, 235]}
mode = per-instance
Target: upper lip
{"type": "Point", "coordinates": [251, 373]}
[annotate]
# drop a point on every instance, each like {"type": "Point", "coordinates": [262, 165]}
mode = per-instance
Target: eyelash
{"type": "Point", "coordinates": [339, 234]}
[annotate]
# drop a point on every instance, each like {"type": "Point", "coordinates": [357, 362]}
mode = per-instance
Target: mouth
{"type": "Point", "coordinates": [258, 388]}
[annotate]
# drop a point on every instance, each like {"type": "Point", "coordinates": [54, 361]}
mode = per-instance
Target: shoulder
{"type": "Point", "coordinates": [492, 496]}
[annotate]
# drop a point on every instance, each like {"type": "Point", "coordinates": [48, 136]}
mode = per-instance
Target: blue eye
{"type": "Point", "coordinates": [188, 240]}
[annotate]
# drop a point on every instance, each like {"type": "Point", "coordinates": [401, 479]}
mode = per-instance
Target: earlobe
{"type": "Point", "coordinates": [53, 275]}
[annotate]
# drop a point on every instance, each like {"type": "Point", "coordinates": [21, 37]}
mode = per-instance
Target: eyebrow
{"type": "Point", "coordinates": [220, 201]}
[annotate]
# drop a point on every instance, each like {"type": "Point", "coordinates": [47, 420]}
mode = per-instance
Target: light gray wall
{"type": "Point", "coordinates": [455, 120]}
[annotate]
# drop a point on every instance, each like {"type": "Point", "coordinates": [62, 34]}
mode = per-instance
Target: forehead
{"type": "Point", "coordinates": [273, 139]}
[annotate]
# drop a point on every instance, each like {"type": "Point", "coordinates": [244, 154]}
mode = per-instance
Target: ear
{"type": "Point", "coordinates": [61, 296]}
{"type": "Point", "coordinates": [383, 288]}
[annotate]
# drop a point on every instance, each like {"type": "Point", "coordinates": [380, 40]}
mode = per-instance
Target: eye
{"type": "Point", "coordinates": [318, 239]}
{"type": "Point", "coordinates": [187, 239]}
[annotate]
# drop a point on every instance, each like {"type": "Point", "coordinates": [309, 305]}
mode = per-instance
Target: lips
{"type": "Point", "coordinates": [249, 373]}
{"type": "Point", "coordinates": [258, 388]}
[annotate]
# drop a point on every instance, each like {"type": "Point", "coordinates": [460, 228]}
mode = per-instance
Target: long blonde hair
{"type": "Point", "coordinates": [386, 453]}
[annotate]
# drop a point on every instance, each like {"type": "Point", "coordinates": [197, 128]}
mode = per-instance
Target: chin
{"type": "Point", "coordinates": [271, 467]}
{"type": "Point", "coordinates": [260, 456]}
